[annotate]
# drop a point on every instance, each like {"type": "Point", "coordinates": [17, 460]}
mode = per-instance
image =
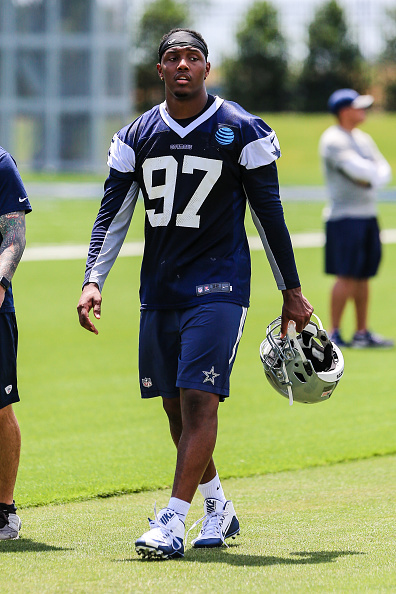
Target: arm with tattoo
{"type": "Point", "coordinates": [12, 230]}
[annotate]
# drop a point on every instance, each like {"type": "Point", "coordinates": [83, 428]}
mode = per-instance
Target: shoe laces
{"type": "Point", "coordinates": [168, 532]}
{"type": "Point", "coordinates": [212, 523]}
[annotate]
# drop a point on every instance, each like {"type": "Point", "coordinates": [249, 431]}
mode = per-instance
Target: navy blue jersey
{"type": "Point", "coordinates": [195, 181]}
{"type": "Point", "coordinates": [13, 198]}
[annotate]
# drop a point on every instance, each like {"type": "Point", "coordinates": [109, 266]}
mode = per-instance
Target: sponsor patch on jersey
{"type": "Point", "coordinates": [146, 381]}
{"type": "Point", "coordinates": [181, 147]}
{"type": "Point", "coordinates": [213, 288]}
{"type": "Point", "coordinates": [225, 136]}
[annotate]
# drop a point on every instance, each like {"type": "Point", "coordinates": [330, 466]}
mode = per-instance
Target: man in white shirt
{"type": "Point", "coordinates": [354, 169]}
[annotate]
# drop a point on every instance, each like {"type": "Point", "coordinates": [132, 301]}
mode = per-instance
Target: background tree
{"type": "Point", "coordinates": [258, 76]}
{"type": "Point", "coordinates": [333, 62]}
{"type": "Point", "coordinates": [387, 61]}
{"type": "Point", "coordinates": [159, 17]}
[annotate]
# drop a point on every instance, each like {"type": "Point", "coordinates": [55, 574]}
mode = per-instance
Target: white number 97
{"type": "Point", "coordinates": [189, 217]}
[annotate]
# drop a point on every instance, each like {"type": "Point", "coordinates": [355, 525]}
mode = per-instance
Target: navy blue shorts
{"type": "Point", "coordinates": [8, 359]}
{"type": "Point", "coordinates": [353, 247]}
{"type": "Point", "coordinates": [189, 348]}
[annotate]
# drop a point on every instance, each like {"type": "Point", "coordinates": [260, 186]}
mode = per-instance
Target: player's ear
{"type": "Point", "coordinates": [159, 70]}
{"type": "Point", "coordinates": [207, 69]}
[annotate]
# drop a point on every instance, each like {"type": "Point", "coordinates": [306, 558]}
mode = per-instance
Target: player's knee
{"type": "Point", "coordinates": [199, 407]}
{"type": "Point", "coordinates": [172, 408]}
{"type": "Point", "coordinates": [7, 412]}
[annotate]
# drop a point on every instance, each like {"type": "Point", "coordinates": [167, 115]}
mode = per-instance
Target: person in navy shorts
{"type": "Point", "coordinates": [14, 204]}
{"type": "Point", "coordinates": [197, 159]}
{"type": "Point", "coordinates": [354, 169]}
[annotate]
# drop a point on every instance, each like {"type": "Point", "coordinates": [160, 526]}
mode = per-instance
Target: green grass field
{"type": "Point", "coordinates": [55, 222]}
{"type": "Point", "coordinates": [82, 390]}
{"type": "Point", "coordinates": [319, 507]}
{"type": "Point", "coordinates": [320, 530]}
{"type": "Point", "coordinates": [298, 136]}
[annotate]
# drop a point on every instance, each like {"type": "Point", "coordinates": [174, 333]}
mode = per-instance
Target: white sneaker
{"type": "Point", "coordinates": [10, 525]}
{"type": "Point", "coordinates": [165, 538]}
{"type": "Point", "coordinates": [219, 522]}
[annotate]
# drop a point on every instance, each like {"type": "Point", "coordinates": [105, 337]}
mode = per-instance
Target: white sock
{"type": "Point", "coordinates": [213, 490]}
{"type": "Point", "coordinates": [180, 507]}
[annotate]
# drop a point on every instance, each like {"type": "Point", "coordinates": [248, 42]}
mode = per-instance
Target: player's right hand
{"type": "Point", "coordinates": [90, 299]}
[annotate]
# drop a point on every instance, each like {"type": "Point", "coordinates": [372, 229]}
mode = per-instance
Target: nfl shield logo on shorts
{"type": "Point", "coordinates": [147, 383]}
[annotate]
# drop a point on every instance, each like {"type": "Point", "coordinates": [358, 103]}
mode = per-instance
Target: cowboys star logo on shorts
{"type": "Point", "coordinates": [210, 376]}
{"type": "Point", "coordinates": [146, 381]}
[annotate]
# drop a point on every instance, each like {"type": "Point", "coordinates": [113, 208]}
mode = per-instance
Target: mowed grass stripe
{"type": "Point", "coordinates": [63, 222]}
{"type": "Point", "coordinates": [328, 529]}
{"type": "Point", "coordinates": [86, 431]}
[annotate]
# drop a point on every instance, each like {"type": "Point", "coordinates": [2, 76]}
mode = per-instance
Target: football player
{"type": "Point", "coordinates": [14, 204]}
{"type": "Point", "coordinates": [197, 160]}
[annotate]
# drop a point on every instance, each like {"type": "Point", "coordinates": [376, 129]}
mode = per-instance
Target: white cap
{"type": "Point", "coordinates": [362, 102]}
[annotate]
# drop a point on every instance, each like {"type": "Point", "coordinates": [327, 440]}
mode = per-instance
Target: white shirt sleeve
{"type": "Point", "coordinates": [372, 168]}
{"type": "Point", "coordinates": [377, 173]}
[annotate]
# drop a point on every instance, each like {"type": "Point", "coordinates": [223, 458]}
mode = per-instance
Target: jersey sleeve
{"type": "Point", "coordinates": [262, 190]}
{"type": "Point", "coordinates": [121, 156]}
{"type": "Point", "coordinates": [116, 210]}
{"type": "Point", "coordinates": [13, 196]}
{"type": "Point", "coordinates": [111, 225]}
{"type": "Point", "coordinates": [260, 145]}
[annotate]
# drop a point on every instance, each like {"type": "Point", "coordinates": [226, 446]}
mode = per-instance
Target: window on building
{"type": "Point", "coordinates": [114, 69]}
{"type": "Point", "coordinates": [30, 74]}
{"type": "Point", "coordinates": [76, 15]}
{"type": "Point", "coordinates": [29, 139]}
{"type": "Point", "coordinates": [30, 16]}
{"type": "Point", "coordinates": [113, 15]}
{"type": "Point", "coordinates": [75, 73]}
{"type": "Point", "coordinates": [75, 133]}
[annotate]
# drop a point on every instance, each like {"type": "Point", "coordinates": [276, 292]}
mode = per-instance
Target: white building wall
{"type": "Point", "coordinates": [64, 80]}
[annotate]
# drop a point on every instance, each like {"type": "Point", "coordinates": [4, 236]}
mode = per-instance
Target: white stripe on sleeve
{"type": "Point", "coordinates": [114, 239]}
{"type": "Point", "coordinates": [271, 259]}
{"type": "Point", "coordinates": [260, 152]}
{"type": "Point", "coordinates": [121, 156]}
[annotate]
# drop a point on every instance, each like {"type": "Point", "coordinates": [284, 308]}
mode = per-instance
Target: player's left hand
{"type": "Point", "coordinates": [295, 307]}
{"type": "Point", "coordinates": [90, 299]}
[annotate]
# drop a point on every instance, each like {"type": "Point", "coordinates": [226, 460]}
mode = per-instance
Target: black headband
{"type": "Point", "coordinates": [182, 39]}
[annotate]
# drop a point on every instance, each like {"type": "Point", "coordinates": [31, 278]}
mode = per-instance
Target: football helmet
{"type": "Point", "coordinates": [305, 367]}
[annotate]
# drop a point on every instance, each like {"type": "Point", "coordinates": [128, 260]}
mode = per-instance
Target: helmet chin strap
{"type": "Point", "coordinates": [292, 334]}
{"type": "Point", "coordinates": [289, 389]}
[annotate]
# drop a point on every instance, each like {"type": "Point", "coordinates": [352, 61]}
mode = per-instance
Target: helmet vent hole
{"type": "Point", "coordinates": [300, 377]}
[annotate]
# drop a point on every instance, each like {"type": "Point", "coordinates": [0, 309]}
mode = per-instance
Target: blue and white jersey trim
{"type": "Point", "coordinates": [280, 282]}
{"type": "Point", "coordinates": [260, 152]}
{"type": "Point", "coordinates": [121, 156]}
{"type": "Point", "coordinates": [114, 238]}
{"type": "Point", "coordinates": [240, 331]}
{"type": "Point", "coordinates": [179, 130]}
